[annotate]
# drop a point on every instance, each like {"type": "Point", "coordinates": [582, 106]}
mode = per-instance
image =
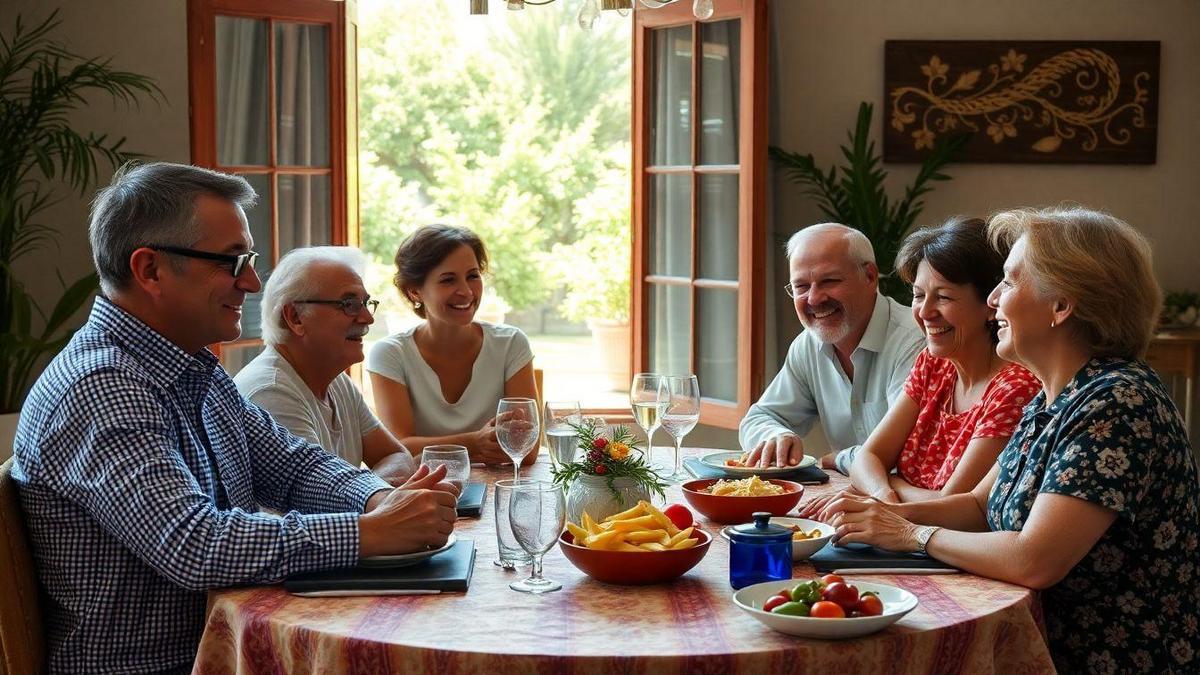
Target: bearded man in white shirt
{"type": "Point", "coordinates": [315, 312]}
{"type": "Point", "coordinates": [848, 365]}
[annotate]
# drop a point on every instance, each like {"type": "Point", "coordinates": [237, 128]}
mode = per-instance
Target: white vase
{"type": "Point", "coordinates": [8, 432]}
{"type": "Point", "coordinates": [591, 494]}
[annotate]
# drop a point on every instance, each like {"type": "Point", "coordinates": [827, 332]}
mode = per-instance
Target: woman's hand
{"type": "Point", "coordinates": [485, 448]}
{"type": "Point", "coordinates": [817, 507]}
{"type": "Point", "coordinates": [865, 520]}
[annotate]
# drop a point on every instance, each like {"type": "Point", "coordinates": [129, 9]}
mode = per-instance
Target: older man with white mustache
{"type": "Point", "coordinates": [848, 365]}
{"type": "Point", "coordinates": [315, 312]}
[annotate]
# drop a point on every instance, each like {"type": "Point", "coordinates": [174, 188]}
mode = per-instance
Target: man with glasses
{"type": "Point", "coordinates": [847, 366]}
{"type": "Point", "coordinates": [315, 312]}
{"type": "Point", "coordinates": [144, 475]}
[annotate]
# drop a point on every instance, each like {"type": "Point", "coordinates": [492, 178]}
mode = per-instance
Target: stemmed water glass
{"type": "Point", "coordinates": [561, 436]}
{"type": "Point", "coordinates": [454, 458]}
{"type": "Point", "coordinates": [517, 429]}
{"type": "Point", "coordinates": [536, 512]}
{"type": "Point", "coordinates": [648, 400]}
{"type": "Point", "coordinates": [681, 415]}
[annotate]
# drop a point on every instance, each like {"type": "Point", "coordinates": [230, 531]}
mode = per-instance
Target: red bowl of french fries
{"type": "Point", "coordinates": [636, 547]}
{"type": "Point", "coordinates": [719, 501]}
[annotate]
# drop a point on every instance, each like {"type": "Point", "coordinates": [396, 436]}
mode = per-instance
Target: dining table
{"type": "Point", "coordinates": [963, 623]}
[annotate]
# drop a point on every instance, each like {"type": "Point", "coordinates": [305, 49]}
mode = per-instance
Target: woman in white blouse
{"type": "Point", "coordinates": [440, 382]}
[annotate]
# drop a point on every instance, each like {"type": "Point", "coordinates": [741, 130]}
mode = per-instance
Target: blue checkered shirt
{"type": "Point", "coordinates": [143, 474]}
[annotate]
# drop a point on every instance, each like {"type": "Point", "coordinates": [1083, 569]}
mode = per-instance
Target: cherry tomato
{"type": "Point", "coordinates": [832, 579]}
{"type": "Point", "coordinates": [841, 593]}
{"type": "Point", "coordinates": [775, 601]}
{"type": "Point", "coordinates": [870, 605]}
{"type": "Point", "coordinates": [680, 515]}
{"type": "Point", "coordinates": [827, 610]}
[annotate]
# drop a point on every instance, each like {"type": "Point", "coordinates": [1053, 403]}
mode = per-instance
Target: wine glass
{"type": "Point", "coordinates": [647, 399]}
{"type": "Point", "coordinates": [536, 513]}
{"type": "Point", "coordinates": [454, 458]}
{"type": "Point", "coordinates": [561, 436]}
{"type": "Point", "coordinates": [517, 429]}
{"type": "Point", "coordinates": [682, 412]}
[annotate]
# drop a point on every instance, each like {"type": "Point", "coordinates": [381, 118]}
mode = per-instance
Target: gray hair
{"type": "Point", "coordinates": [291, 280]}
{"type": "Point", "coordinates": [153, 205]}
{"type": "Point", "coordinates": [857, 244]}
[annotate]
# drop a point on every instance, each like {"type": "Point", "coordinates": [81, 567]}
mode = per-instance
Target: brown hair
{"type": "Point", "coordinates": [959, 250]}
{"type": "Point", "coordinates": [425, 249]}
{"type": "Point", "coordinates": [1097, 261]}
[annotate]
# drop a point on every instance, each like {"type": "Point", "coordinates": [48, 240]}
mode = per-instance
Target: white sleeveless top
{"type": "Point", "coordinates": [505, 351]}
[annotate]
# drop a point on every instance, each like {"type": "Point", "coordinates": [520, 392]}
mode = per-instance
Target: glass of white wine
{"type": "Point", "coordinates": [682, 413]}
{"type": "Point", "coordinates": [648, 400]}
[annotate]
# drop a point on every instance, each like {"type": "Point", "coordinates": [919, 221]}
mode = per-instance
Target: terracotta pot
{"type": "Point", "coordinates": [613, 340]}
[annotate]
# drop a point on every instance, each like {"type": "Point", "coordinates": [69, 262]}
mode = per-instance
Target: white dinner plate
{"type": "Point", "coordinates": [404, 559]}
{"type": "Point", "coordinates": [717, 461]}
{"type": "Point", "coordinates": [896, 603]}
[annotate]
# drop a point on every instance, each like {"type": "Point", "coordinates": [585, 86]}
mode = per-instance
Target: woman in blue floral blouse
{"type": "Point", "coordinates": [1096, 496]}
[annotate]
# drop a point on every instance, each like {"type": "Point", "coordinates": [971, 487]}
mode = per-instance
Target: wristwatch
{"type": "Point", "coordinates": [923, 534]}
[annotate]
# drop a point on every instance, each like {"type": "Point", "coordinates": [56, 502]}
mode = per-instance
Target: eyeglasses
{"type": "Point", "coordinates": [791, 291]}
{"type": "Point", "coordinates": [350, 306]}
{"type": "Point", "coordinates": [237, 263]}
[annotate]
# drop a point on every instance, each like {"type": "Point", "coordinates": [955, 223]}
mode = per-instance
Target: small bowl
{"type": "Point", "coordinates": [629, 568]}
{"type": "Point", "coordinates": [727, 509]}
{"type": "Point", "coordinates": [801, 548]}
{"type": "Point", "coordinates": [896, 603]}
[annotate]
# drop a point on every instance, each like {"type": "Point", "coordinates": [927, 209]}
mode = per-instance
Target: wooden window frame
{"type": "Point", "coordinates": [341, 18]}
{"type": "Point", "coordinates": [752, 168]}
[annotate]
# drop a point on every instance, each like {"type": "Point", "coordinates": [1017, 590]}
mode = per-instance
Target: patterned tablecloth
{"type": "Point", "coordinates": [964, 624]}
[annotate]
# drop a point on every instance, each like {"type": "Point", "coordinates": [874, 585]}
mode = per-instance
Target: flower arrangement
{"type": "Point", "coordinates": [610, 452]}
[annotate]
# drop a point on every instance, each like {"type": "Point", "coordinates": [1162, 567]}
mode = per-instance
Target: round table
{"type": "Point", "coordinates": [964, 624]}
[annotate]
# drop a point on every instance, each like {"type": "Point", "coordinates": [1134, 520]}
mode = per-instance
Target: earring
{"type": "Point", "coordinates": [1052, 323]}
{"type": "Point", "coordinates": [417, 304]}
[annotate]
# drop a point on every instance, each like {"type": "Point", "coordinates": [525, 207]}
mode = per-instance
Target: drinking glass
{"type": "Point", "coordinates": [562, 438]}
{"type": "Point", "coordinates": [454, 458]}
{"type": "Point", "coordinates": [510, 552]}
{"type": "Point", "coordinates": [682, 412]}
{"type": "Point", "coordinates": [517, 429]}
{"type": "Point", "coordinates": [536, 512]}
{"type": "Point", "coordinates": [648, 401]}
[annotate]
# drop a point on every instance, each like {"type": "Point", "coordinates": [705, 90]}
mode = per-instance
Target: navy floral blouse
{"type": "Point", "coordinates": [1114, 438]}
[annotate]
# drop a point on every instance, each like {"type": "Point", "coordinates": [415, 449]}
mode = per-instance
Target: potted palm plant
{"type": "Point", "coordinates": [41, 83]}
{"type": "Point", "coordinates": [858, 197]}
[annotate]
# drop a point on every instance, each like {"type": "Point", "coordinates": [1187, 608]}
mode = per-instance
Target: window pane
{"type": "Point", "coordinates": [719, 48]}
{"type": "Point", "coordinates": [718, 226]}
{"type": "Point", "coordinates": [259, 219]}
{"type": "Point", "coordinates": [301, 95]}
{"type": "Point", "coordinates": [671, 109]}
{"type": "Point", "coordinates": [670, 317]}
{"type": "Point", "coordinates": [241, 52]}
{"type": "Point", "coordinates": [234, 358]}
{"type": "Point", "coordinates": [303, 212]}
{"type": "Point", "coordinates": [671, 223]}
{"type": "Point", "coordinates": [716, 343]}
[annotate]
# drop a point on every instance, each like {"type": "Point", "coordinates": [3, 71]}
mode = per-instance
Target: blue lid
{"type": "Point", "coordinates": [762, 530]}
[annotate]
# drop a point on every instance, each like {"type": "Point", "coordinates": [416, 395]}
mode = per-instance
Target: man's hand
{"type": "Point", "coordinates": [828, 461]}
{"type": "Point", "coordinates": [786, 449]}
{"type": "Point", "coordinates": [414, 517]}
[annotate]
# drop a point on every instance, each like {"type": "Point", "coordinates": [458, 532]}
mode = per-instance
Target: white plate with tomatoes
{"type": "Point", "coordinates": [828, 617]}
{"type": "Point", "coordinates": [730, 463]}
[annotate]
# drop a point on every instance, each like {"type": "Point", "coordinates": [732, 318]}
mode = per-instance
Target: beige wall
{"type": "Point", "coordinates": [827, 56]}
{"type": "Point", "coordinates": [148, 37]}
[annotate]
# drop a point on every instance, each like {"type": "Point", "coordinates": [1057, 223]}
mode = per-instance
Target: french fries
{"type": "Point", "coordinates": [639, 529]}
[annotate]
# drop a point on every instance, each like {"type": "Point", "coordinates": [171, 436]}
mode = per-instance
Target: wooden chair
{"type": "Point", "coordinates": [22, 649]}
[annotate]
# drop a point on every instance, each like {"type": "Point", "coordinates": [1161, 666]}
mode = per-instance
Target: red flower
{"type": "Point", "coordinates": [600, 443]}
{"type": "Point", "coordinates": [600, 469]}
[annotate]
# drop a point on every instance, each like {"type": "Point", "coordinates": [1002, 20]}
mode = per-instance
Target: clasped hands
{"type": "Point", "coordinates": [861, 519]}
{"type": "Point", "coordinates": [415, 516]}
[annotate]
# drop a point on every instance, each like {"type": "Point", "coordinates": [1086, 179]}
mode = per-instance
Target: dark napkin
{"type": "Point", "coordinates": [859, 556]}
{"type": "Point", "coordinates": [809, 475]}
{"type": "Point", "coordinates": [448, 571]}
{"type": "Point", "coordinates": [470, 502]}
